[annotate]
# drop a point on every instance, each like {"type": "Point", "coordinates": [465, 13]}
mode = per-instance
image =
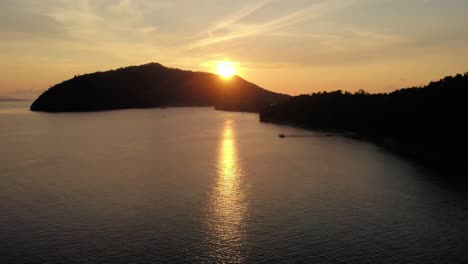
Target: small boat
{"type": "Point", "coordinates": [281, 135]}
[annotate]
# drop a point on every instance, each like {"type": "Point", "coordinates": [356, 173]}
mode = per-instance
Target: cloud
{"type": "Point", "coordinates": [236, 17]}
{"type": "Point", "coordinates": [48, 40]}
{"type": "Point", "coordinates": [232, 29]}
{"type": "Point", "coordinates": [17, 20]}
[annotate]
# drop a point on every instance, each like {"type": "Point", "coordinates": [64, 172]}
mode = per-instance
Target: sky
{"type": "Point", "coordinates": [288, 46]}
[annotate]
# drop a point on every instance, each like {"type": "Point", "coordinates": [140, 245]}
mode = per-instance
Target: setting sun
{"type": "Point", "coordinates": [225, 69]}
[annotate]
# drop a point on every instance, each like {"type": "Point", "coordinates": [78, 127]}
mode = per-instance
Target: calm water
{"type": "Point", "coordinates": [198, 185]}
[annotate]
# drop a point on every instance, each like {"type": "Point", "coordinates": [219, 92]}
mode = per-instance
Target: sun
{"type": "Point", "coordinates": [225, 69]}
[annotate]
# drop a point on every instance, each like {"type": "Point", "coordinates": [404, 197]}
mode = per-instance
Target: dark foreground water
{"type": "Point", "coordinates": [201, 186]}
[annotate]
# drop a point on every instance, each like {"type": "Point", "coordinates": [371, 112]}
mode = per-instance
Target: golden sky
{"type": "Point", "coordinates": [293, 46]}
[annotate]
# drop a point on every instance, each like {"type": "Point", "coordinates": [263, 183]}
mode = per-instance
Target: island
{"type": "Point", "coordinates": [427, 123]}
{"type": "Point", "coordinates": [154, 85]}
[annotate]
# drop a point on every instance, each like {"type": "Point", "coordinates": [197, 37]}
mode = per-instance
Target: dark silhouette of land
{"type": "Point", "coordinates": [425, 122]}
{"type": "Point", "coordinates": [153, 85]}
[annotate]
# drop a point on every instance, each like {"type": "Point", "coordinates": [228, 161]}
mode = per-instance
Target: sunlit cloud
{"type": "Point", "coordinates": [234, 18]}
{"type": "Point", "coordinates": [277, 44]}
{"type": "Point", "coordinates": [237, 30]}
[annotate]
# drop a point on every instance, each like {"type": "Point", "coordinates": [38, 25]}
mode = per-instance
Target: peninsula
{"type": "Point", "coordinates": [424, 122]}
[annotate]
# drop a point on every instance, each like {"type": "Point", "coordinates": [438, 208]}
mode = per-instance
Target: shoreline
{"type": "Point", "coordinates": [426, 157]}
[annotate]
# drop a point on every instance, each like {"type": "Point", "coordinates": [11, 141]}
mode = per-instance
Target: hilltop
{"type": "Point", "coordinates": [154, 85]}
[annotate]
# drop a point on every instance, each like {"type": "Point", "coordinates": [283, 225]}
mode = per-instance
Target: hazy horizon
{"type": "Point", "coordinates": [295, 47]}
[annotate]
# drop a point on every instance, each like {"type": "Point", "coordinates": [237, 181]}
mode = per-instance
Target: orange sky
{"type": "Point", "coordinates": [294, 47]}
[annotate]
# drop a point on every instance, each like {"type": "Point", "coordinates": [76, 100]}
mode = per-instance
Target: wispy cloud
{"type": "Point", "coordinates": [234, 29]}
{"type": "Point", "coordinates": [46, 41]}
{"type": "Point", "coordinates": [234, 18]}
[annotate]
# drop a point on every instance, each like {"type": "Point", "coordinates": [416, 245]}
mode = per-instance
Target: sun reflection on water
{"type": "Point", "coordinates": [228, 206]}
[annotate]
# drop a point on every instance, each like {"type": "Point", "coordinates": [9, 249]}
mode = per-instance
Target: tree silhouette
{"type": "Point", "coordinates": [426, 121]}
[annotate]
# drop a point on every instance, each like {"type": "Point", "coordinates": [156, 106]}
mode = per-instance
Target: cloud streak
{"type": "Point", "coordinates": [281, 42]}
{"type": "Point", "coordinates": [235, 29]}
{"type": "Point", "coordinates": [233, 19]}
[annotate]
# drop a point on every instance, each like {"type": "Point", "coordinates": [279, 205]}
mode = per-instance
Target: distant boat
{"type": "Point", "coordinates": [281, 135]}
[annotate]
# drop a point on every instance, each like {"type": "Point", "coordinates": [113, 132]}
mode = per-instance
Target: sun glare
{"type": "Point", "coordinates": [225, 69]}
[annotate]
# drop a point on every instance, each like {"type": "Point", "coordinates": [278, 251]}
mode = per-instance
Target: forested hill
{"type": "Point", "coordinates": [430, 119]}
{"type": "Point", "coordinates": [153, 85]}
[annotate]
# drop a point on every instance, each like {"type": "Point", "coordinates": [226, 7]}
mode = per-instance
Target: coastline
{"type": "Point", "coordinates": [430, 158]}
